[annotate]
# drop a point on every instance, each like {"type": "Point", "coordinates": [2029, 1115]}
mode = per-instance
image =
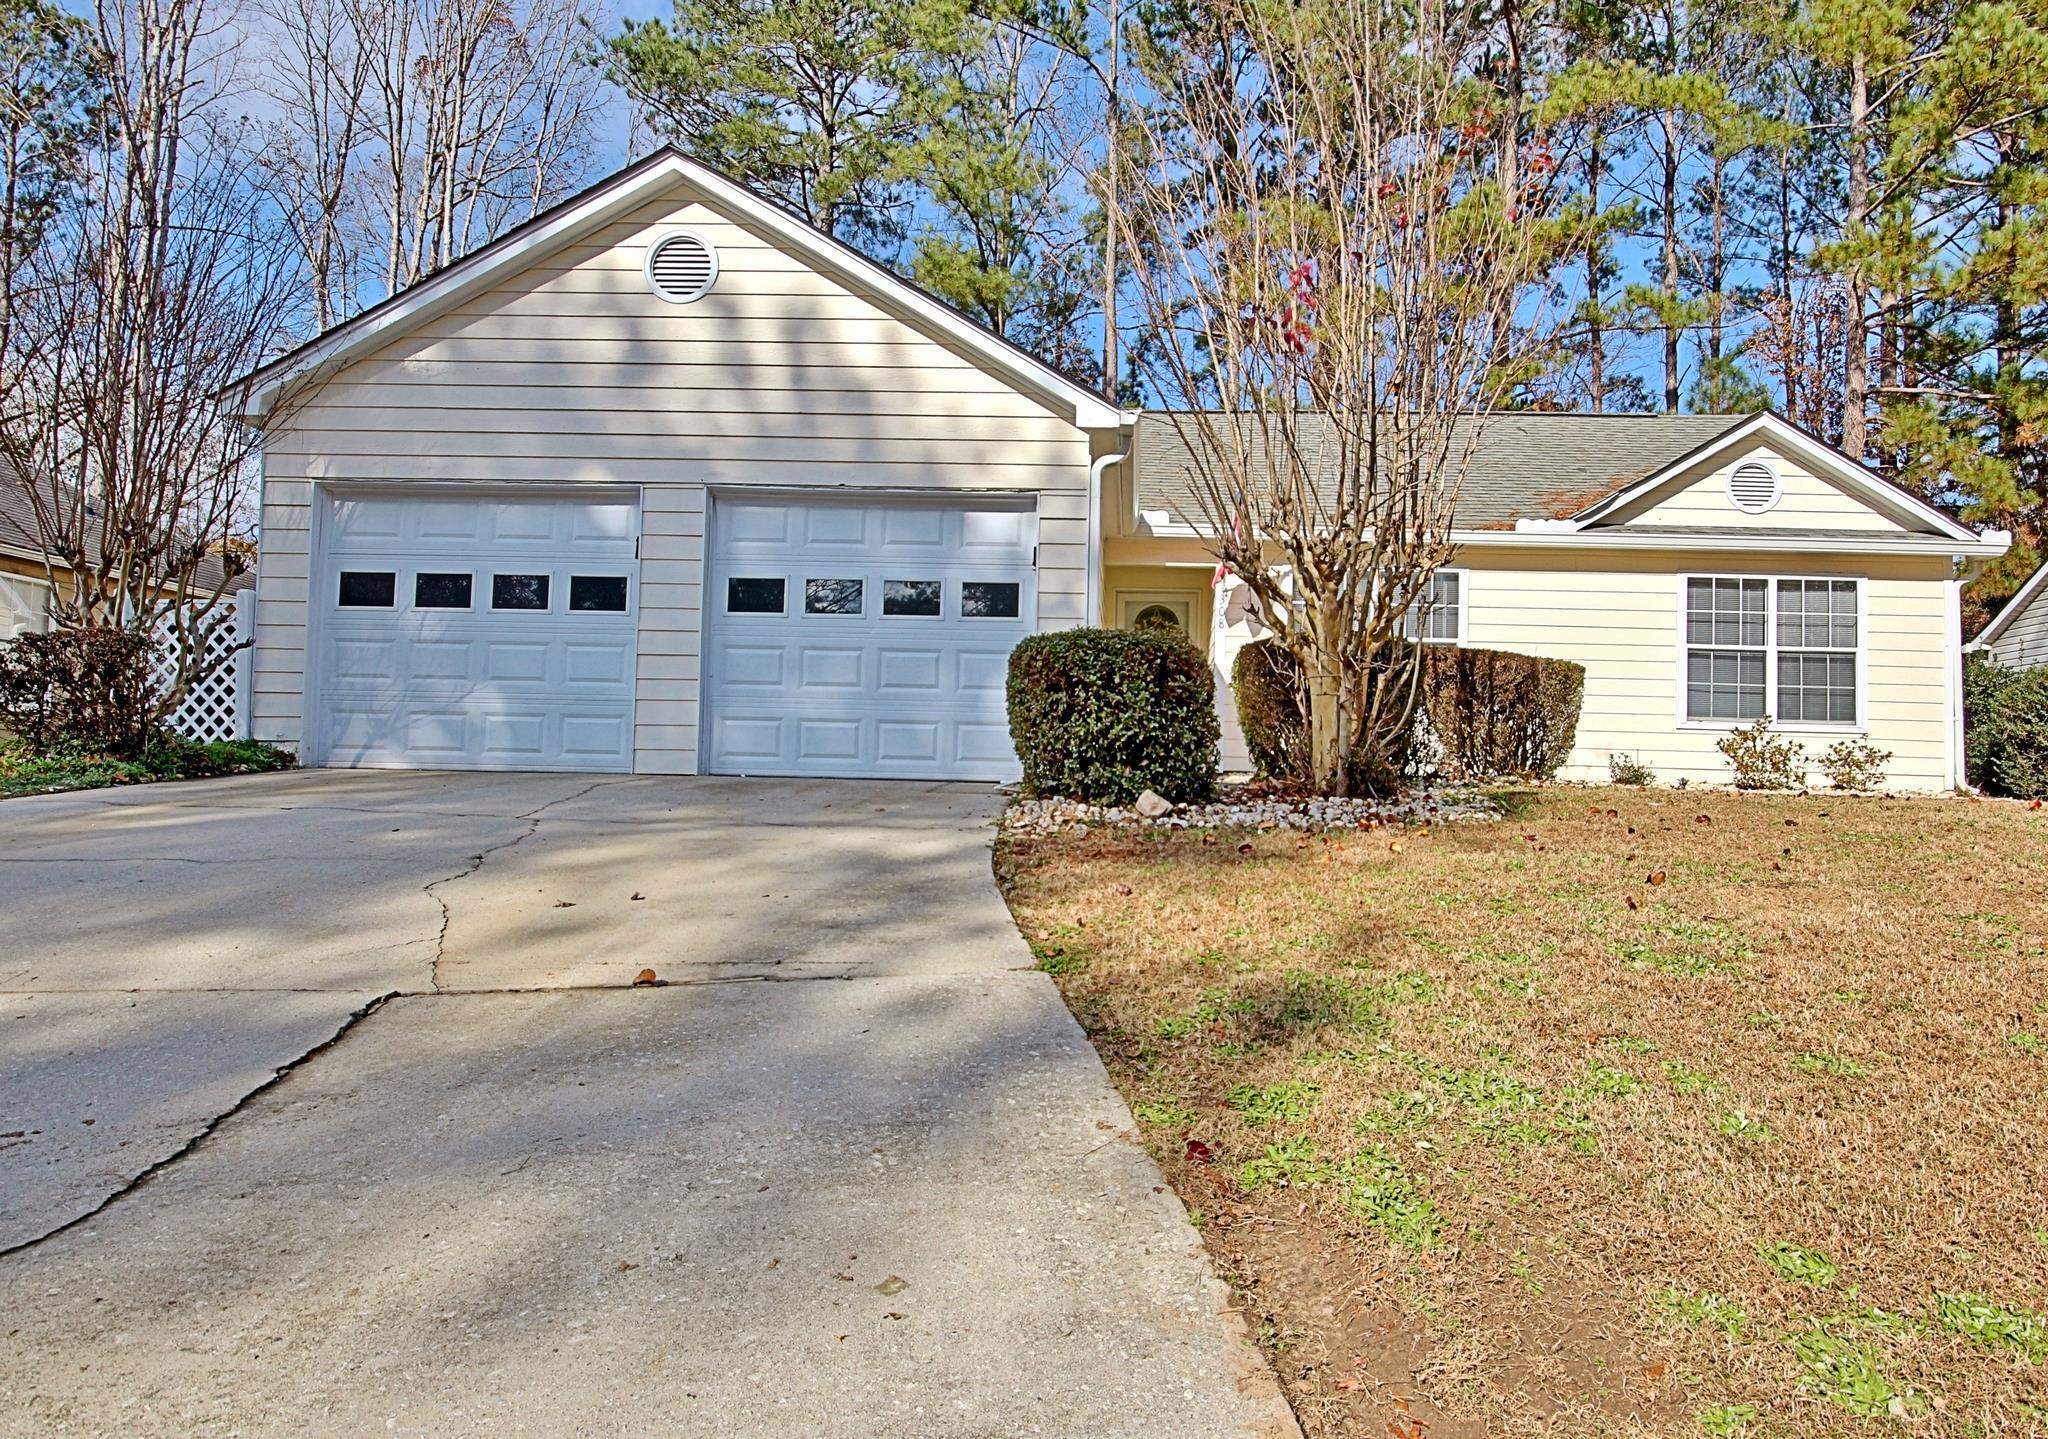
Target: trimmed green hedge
{"type": "Point", "coordinates": [1266, 680]}
{"type": "Point", "coordinates": [1103, 715]}
{"type": "Point", "coordinates": [1496, 713]}
{"type": "Point", "coordinates": [1482, 713]}
{"type": "Point", "coordinates": [2005, 728]}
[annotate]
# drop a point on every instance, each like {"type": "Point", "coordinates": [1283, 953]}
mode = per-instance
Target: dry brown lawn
{"type": "Point", "coordinates": [1639, 1112]}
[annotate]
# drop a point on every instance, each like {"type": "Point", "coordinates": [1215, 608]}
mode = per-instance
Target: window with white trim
{"type": "Point", "coordinates": [1783, 647]}
{"type": "Point", "coordinates": [1443, 618]}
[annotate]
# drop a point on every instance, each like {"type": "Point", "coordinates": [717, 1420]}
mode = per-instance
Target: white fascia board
{"type": "Point", "coordinates": [1792, 440]}
{"type": "Point", "coordinates": [1975, 547]}
{"type": "Point", "coordinates": [1089, 410]}
{"type": "Point", "coordinates": [1989, 546]}
{"type": "Point", "coordinates": [443, 291]}
{"type": "Point", "coordinates": [2027, 594]}
{"type": "Point", "coordinates": [450, 287]}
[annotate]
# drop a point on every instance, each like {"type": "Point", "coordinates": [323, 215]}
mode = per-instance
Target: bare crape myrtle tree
{"type": "Point", "coordinates": [158, 282]}
{"type": "Point", "coordinates": [1340, 219]}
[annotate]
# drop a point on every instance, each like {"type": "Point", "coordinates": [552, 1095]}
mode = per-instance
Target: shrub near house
{"type": "Point", "coordinates": [1104, 715]}
{"type": "Point", "coordinates": [2006, 718]}
{"type": "Point", "coordinates": [75, 705]}
{"type": "Point", "coordinates": [1481, 713]}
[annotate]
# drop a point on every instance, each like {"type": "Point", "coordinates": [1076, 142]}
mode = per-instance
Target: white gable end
{"type": "Point", "coordinates": [1803, 500]}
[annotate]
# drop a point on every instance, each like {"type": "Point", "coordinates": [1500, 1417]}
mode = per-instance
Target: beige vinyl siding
{"type": "Point", "coordinates": [1616, 612]}
{"type": "Point", "coordinates": [278, 652]}
{"type": "Point", "coordinates": [2025, 641]}
{"type": "Point", "coordinates": [1806, 502]}
{"type": "Point", "coordinates": [572, 372]}
{"type": "Point", "coordinates": [1618, 615]}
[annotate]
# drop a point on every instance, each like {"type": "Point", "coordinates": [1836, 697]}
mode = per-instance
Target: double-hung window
{"type": "Point", "coordinates": [1786, 648]}
{"type": "Point", "coordinates": [1443, 616]}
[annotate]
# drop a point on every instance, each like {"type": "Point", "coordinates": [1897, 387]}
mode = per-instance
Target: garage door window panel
{"type": "Point", "coordinates": [833, 596]}
{"type": "Point", "coordinates": [913, 599]}
{"type": "Point", "coordinates": [597, 594]}
{"type": "Point", "coordinates": [367, 590]}
{"type": "Point", "coordinates": [519, 592]}
{"type": "Point", "coordinates": [755, 595]}
{"type": "Point", "coordinates": [443, 590]}
{"type": "Point", "coordinates": [990, 599]}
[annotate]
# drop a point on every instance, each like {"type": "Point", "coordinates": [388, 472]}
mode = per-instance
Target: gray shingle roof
{"type": "Point", "coordinates": [1527, 465]}
{"type": "Point", "coordinates": [18, 535]}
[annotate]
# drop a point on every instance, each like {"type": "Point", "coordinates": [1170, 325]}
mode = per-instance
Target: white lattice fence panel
{"type": "Point", "coordinates": [217, 707]}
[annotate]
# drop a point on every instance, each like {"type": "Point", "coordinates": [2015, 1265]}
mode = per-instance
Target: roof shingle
{"type": "Point", "coordinates": [1526, 464]}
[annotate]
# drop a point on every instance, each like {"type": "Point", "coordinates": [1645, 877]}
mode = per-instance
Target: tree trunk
{"type": "Point", "coordinates": [1596, 330]}
{"type": "Point", "coordinates": [1326, 727]}
{"type": "Point", "coordinates": [1856, 323]}
{"type": "Point", "coordinates": [1669, 122]}
{"type": "Point", "coordinates": [1112, 155]}
{"type": "Point", "coordinates": [1717, 259]}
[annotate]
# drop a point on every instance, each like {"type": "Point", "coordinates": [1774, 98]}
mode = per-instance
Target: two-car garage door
{"type": "Point", "coordinates": [840, 637]}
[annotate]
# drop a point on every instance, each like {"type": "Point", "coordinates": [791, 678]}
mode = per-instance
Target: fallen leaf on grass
{"type": "Point", "coordinates": [1198, 1152]}
{"type": "Point", "coordinates": [1657, 876]}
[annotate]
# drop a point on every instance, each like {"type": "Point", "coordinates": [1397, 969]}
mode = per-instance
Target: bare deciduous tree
{"type": "Point", "coordinates": [1339, 288]}
{"type": "Point", "coordinates": [407, 132]}
{"type": "Point", "coordinates": [315, 72]}
{"type": "Point", "coordinates": [157, 288]}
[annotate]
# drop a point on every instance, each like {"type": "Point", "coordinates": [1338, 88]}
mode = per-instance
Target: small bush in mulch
{"type": "Point", "coordinates": [1266, 681]}
{"type": "Point", "coordinates": [166, 757]}
{"type": "Point", "coordinates": [1104, 715]}
{"type": "Point", "coordinates": [2005, 718]}
{"type": "Point", "coordinates": [1762, 760]}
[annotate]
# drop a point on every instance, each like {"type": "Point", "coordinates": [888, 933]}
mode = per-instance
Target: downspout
{"type": "Point", "coordinates": [1952, 621]}
{"type": "Point", "coordinates": [1092, 610]}
{"type": "Point", "coordinates": [1967, 568]}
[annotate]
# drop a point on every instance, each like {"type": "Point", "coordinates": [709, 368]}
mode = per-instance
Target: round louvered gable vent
{"type": "Point", "coordinates": [1753, 487]}
{"type": "Point", "coordinates": [681, 267]}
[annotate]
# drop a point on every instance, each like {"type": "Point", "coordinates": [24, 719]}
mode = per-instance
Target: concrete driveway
{"type": "Point", "coordinates": [326, 1108]}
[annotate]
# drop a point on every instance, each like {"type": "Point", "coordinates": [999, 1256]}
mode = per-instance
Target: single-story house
{"type": "Point", "coordinates": [665, 481]}
{"type": "Point", "coordinates": [25, 594]}
{"type": "Point", "coordinates": [2018, 634]}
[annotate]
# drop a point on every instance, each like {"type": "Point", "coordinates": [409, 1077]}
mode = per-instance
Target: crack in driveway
{"type": "Point", "coordinates": [532, 820]}
{"type": "Point", "coordinates": [348, 1025]}
{"type": "Point", "coordinates": [199, 1136]}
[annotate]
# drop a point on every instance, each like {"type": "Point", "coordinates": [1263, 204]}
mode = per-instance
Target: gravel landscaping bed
{"type": "Point", "coordinates": [1251, 811]}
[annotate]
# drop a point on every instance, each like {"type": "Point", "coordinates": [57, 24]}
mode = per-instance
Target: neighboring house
{"type": "Point", "coordinates": [25, 582]}
{"type": "Point", "coordinates": [667, 481]}
{"type": "Point", "coordinates": [2018, 636]}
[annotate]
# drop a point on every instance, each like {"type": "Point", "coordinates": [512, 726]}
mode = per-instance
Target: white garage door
{"type": "Point", "coordinates": [477, 633]}
{"type": "Point", "coordinates": [865, 639]}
